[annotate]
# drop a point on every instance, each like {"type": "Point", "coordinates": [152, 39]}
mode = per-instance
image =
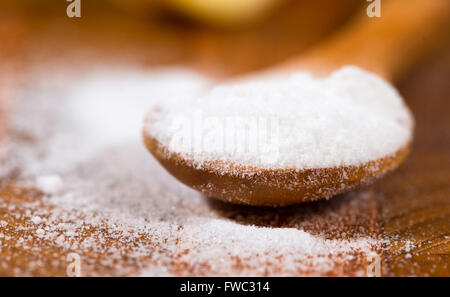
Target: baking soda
{"type": "Point", "coordinates": [50, 184]}
{"type": "Point", "coordinates": [106, 198]}
{"type": "Point", "coordinates": [347, 118]}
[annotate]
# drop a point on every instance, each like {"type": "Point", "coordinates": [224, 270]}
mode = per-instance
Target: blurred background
{"type": "Point", "coordinates": [223, 37]}
{"type": "Point", "coordinates": [218, 37]}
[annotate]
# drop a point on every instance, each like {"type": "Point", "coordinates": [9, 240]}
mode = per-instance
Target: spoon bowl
{"type": "Point", "coordinates": [249, 185]}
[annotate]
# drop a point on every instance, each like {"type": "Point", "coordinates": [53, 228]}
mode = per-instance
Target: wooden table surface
{"type": "Point", "coordinates": [412, 204]}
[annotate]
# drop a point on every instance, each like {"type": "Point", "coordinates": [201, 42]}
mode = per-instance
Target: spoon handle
{"type": "Point", "coordinates": [407, 31]}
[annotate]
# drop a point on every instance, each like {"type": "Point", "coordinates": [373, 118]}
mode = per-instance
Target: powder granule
{"type": "Point", "coordinates": [50, 184]}
{"type": "Point", "coordinates": [347, 118]}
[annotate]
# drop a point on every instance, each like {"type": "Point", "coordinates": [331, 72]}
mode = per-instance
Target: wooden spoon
{"type": "Point", "coordinates": [406, 31]}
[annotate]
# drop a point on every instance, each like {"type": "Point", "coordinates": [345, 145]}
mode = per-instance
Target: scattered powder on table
{"type": "Point", "coordinates": [347, 118]}
{"type": "Point", "coordinates": [49, 184]}
{"type": "Point", "coordinates": [107, 199]}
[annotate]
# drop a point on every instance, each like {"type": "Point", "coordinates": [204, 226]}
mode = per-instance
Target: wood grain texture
{"type": "Point", "coordinates": [411, 204]}
{"type": "Point", "coordinates": [415, 201]}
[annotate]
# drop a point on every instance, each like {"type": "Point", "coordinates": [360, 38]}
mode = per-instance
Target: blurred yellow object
{"type": "Point", "coordinates": [224, 13]}
{"type": "Point", "coordinates": [221, 13]}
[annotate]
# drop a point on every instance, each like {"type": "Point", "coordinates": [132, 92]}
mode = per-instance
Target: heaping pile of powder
{"type": "Point", "coordinates": [108, 200]}
{"type": "Point", "coordinates": [347, 118]}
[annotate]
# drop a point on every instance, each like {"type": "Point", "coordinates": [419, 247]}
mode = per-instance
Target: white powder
{"type": "Point", "coordinates": [121, 210]}
{"type": "Point", "coordinates": [36, 220]}
{"type": "Point", "coordinates": [347, 118]}
{"type": "Point", "coordinates": [50, 184]}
